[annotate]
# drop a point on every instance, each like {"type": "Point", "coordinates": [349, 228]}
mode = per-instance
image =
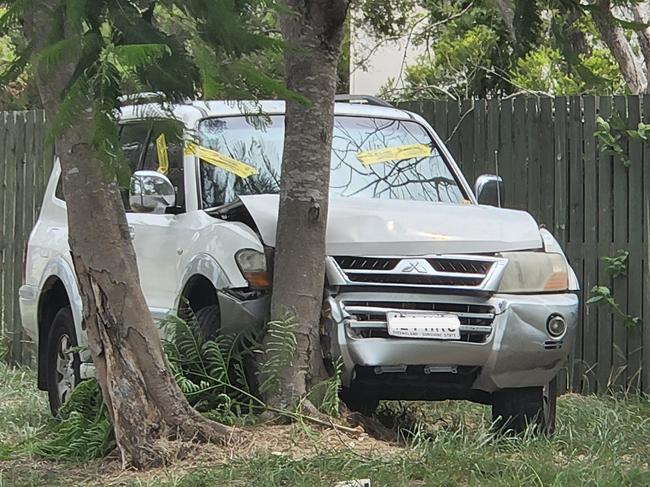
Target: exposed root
{"type": "Point", "coordinates": [372, 426]}
{"type": "Point", "coordinates": [198, 428]}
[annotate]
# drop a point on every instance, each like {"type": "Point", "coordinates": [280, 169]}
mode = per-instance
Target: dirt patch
{"type": "Point", "coordinates": [295, 441]}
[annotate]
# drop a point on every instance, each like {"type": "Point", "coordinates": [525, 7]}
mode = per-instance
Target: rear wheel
{"type": "Point", "coordinates": [62, 364]}
{"type": "Point", "coordinates": [514, 409]}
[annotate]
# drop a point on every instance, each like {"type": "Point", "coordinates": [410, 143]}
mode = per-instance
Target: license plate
{"type": "Point", "coordinates": [438, 326]}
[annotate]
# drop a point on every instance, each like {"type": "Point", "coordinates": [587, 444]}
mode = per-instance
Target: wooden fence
{"type": "Point", "coordinates": [553, 167]}
{"type": "Point", "coordinates": [545, 150]}
{"type": "Point", "coordinates": [25, 165]}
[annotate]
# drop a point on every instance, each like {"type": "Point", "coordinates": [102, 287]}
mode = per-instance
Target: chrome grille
{"type": "Point", "coordinates": [438, 271]}
{"type": "Point", "coordinates": [368, 318]}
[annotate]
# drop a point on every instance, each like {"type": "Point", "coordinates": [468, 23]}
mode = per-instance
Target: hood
{"type": "Point", "coordinates": [373, 227]}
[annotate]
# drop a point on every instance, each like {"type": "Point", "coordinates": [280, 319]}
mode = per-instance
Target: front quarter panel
{"type": "Point", "coordinates": [211, 252]}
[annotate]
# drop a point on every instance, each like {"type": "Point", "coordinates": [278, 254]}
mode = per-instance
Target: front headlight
{"type": "Point", "coordinates": [253, 266]}
{"type": "Point", "coordinates": [534, 272]}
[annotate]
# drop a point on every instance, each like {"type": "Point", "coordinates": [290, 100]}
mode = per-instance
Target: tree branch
{"type": "Point", "coordinates": [614, 36]}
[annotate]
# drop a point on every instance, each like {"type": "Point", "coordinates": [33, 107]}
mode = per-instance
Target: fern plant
{"type": "Point", "coordinates": [84, 430]}
{"type": "Point", "coordinates": [280, 350]}
{"type": "Point", "coordinates": [325, 394]}
{"type": "Point", "coordinates": [215, 375]}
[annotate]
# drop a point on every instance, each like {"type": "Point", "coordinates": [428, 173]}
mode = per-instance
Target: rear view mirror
{"type": "Point", "coordinates": [490, 190]}
{"type": "Point", "coordinates": [151, 192]}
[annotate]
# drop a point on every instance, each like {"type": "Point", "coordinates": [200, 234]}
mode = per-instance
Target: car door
{"type": "Point", "coordinates": [157, 237]}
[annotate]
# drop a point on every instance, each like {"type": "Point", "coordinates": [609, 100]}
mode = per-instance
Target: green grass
{"type": "Point", "coordinates": [599, 442]}
{"type": "Point", "coordinates": [23, 409]}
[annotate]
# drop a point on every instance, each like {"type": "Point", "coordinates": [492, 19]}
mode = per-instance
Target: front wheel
{"type": "Point", "coordinates": [62, 364]}
{"type": "Point", "coordinates": [514, 409]}
{"type": "Point", "coordinates": [360, 403]}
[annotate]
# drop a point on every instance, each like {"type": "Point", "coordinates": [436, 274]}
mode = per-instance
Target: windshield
{"type": "Point", "coordinates": [371, 158]}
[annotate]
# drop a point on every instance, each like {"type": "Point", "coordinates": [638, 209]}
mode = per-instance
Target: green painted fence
{"type": "Point", "coordinates": [546, 152]}
{"type": "Point", "coordinates": [25, 165]}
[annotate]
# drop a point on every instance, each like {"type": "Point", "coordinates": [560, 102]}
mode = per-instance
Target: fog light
{"type": "Point", "coordinates": [556, 326]}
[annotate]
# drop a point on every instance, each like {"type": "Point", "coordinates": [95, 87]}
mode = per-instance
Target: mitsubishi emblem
{"type": "Point", "coordinates": [415, 265]}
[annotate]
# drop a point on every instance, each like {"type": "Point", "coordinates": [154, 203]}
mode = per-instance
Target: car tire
{"type": "Point", "coordinates": [208, 321]}
{"type": "Point", "coordinates": [359, 403]}
{"type": "Point", "coordinates": [514, 409]}
{"type": "Point", "coordinates": [62, 366]}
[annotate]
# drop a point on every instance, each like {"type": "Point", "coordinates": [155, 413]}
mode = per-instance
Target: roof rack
{"type": "Point", "coordinates": [362, 100]}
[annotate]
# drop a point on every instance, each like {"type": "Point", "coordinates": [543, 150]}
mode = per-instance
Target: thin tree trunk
{"type": "Point", "coordinates": [614, 36]}
{"type": "Point", "coordinates": [313, 30]}
{"type": "Point", "coordinates": [644, 42]}
{"type": "Point", "coordinates": [507, 11]}
{"type": "Point", "coordinates": [142, 398]}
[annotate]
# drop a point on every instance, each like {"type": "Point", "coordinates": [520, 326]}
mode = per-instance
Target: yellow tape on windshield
{"type": "Point", "coordinates": [398, 153]}
{"type": "Point", "coordinates": [222, 161]}
{"type": "Point", "coordinates": [163, 157]}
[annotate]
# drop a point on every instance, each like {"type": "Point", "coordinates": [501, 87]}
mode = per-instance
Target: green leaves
{"type": "Point", "coordinates": [612, 134]}
{"type": "Point", "coordinates": [603, 295]}
{"type": "Point", "coordinates": [281, 346]}
{"type": "Point", "coordinates": [600, 294]}
{"type": "Point", "coordinates": [135, 56]}
{"type": "Point", "coordinates": [213, 374]}
{"type": "Point", "coordinates": [84, 431]}
{"type": "Point", "coordinates": [616, 265]}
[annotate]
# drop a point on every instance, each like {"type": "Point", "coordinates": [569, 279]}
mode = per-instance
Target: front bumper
{"type": "Point", "coordinates": [517, 351]}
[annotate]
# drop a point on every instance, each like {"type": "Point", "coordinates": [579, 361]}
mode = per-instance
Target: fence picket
{"type": "Point", "coordinates": [590, 315]}
{"type": "Point", "coordinates": [634, 239]}
{"type": "Point", "coordinates": [8, 231]}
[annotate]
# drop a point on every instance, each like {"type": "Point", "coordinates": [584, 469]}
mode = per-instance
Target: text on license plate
{"type": "Point", "coordinates": [438, 326]}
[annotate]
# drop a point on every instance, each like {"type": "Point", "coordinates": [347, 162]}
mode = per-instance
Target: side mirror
{"type": "Point", "coordinates": [490, 190]}
{"type": "Point", "coordinates": [151, 192]}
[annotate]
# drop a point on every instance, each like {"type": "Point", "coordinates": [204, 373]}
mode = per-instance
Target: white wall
{"type": "Point", "coordinates": [380, 64]}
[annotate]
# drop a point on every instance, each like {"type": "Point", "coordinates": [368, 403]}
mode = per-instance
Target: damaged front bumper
{"type": "Point", "coordinates": [504, 341]}
{"type": "Point", "coordinates": [242, 310]}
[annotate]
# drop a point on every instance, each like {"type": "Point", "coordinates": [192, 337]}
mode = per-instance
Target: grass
{"type": "Point", "coordinates": [600, 441]}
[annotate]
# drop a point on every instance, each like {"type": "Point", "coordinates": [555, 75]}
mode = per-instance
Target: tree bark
{"type": "Point", "coordinates": [313, 30]}
{"type": "Point", "coordinates": [614, 36]}
{"type": "Point", "coordinates": [507, 11]}
{"type": "Point", "coordinates": [142, 398]}
{"type": "Point", "coordinates": [644, 42]}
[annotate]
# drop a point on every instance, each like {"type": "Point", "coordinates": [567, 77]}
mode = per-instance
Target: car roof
{"type": "Point", "coordinates": [193, 111]}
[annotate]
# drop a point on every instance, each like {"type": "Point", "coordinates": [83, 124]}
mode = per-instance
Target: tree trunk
{"type": "Point", "coordinates": [313, 30]}
{"type": "Point", "coordinates": [507, 11]}
{"type": "Point", "coordinates": [614, 36]}
{"type": "Point", "coordinates": [644, 42]}
{"type": "Point", "coordinates": [142, 398]}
